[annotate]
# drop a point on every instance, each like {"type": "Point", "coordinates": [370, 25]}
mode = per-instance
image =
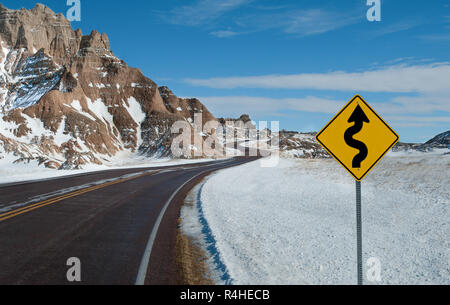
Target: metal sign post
{"type": "Point", "coordinates": [359, 232]}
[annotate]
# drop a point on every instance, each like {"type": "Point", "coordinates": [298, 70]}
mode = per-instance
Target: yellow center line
{"type": "Point", "coordinates": [44, 203]}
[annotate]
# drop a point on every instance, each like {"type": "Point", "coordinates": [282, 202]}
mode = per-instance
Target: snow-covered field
{"type": "Point", "coordinates": [296, 223]}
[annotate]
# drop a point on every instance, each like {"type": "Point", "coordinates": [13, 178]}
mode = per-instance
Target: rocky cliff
{"type": "Point", "coordinates": [66, 100]}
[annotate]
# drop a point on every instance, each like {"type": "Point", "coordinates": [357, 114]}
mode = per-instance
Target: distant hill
{"type": "Point", "coordinates": [440, 141]}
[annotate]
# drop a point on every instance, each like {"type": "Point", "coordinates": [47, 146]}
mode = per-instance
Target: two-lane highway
{"type": "Point", "coordinates": [121, 224]}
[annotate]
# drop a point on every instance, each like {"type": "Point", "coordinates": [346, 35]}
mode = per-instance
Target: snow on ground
{"type": "Point", "coordinates": [10, 173]}
{"type": "Point", "coordinates": [194, 226]}
{"type": "Point", "coordinates": [295, 223]}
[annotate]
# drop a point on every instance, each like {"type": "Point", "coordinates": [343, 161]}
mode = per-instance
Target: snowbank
{"type": "Point", "coordinates": [295, 224]}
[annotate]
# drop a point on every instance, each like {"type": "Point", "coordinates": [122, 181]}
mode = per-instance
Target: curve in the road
{"type": "Point", "coordinates": [123, 231]}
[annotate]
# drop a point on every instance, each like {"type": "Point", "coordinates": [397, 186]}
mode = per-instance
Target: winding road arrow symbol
{"type": "Point", "coordinates": [357, 137]}
{"type": "Point", "coordinates": [359, 117]}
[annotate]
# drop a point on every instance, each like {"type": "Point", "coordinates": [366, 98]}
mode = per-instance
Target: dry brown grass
{"type": "Point", "coordinates": [191, 260]}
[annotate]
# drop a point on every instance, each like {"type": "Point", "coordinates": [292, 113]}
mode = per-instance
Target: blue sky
{"type": "Point", "coordinates": [296, 61]}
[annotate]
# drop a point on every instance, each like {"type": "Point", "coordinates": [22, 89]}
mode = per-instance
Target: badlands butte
{"type": "Point", "coordinates": [66, 100]}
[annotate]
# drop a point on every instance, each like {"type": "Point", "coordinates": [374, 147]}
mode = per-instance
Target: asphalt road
{"type": "Point", "coordinates": [121, 225]}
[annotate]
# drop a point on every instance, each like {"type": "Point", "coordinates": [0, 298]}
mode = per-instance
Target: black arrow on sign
{"type": "Point", "coordinates": [359, 117]}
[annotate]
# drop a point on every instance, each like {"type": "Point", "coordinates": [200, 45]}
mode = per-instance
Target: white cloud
{"type": "Point", "coordinates": [396, 27]}
{"type": "Point", "coordinates": [316, 21]}
{"type": "Point", "coordinates": [436, 37]}
{"type": "Point", "coordinates": [297, 22]}
{"type": "Point", "coordinates": [424, 89]}
{"type": "Point", "coordinates": [417, 121]}
{"type": "Point", "coordinates": [432, 119]}
{"type": "Point", "coordinates": [236, 105]}
{"type": "Point", "coordinates": [224, 34]}
{"type": "Point", "coordinates": [425, 103]}
{"type": "Point", "coordinates": [401, 109]}
{"type": "Point", "coordinates": [202, 11]}
{"type": "Point", "coordinates": [406, 124]}
{"type": "Point", "coordinates": [411, 79]}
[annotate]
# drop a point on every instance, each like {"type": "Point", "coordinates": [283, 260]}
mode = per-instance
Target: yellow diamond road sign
{"type": "Point", "coordinates": [357, 137]}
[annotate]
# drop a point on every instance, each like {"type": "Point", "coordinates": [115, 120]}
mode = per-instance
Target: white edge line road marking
{"type": "Point", "coordinates": [142, 273]}
{"type": "Point", "coordinates": [140, 280]}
